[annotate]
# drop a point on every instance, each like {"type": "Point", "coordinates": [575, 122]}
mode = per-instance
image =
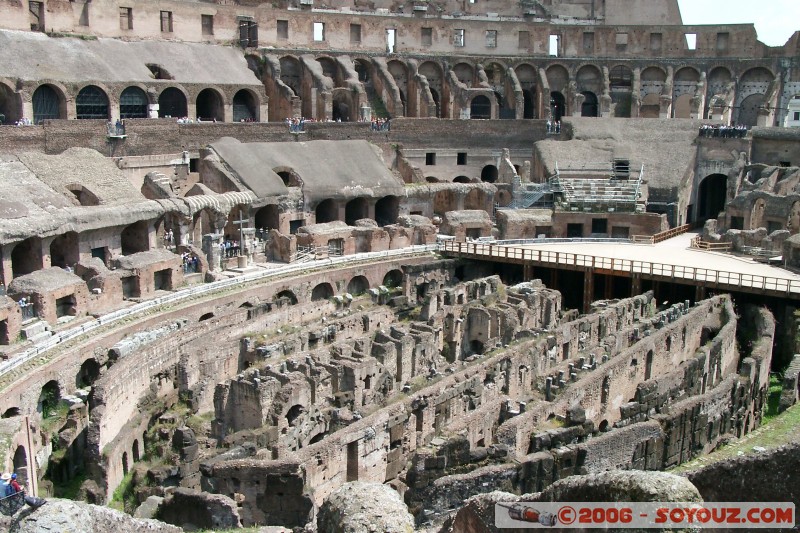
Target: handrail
{"type": "Point", "coordinates": [199, 290]}
{"type": "Point", "coordinates": [662, 235]}
{"type": "Point", "coordinates": [708, 276]}
{"type": "Point", "coordinates": [700, 244]}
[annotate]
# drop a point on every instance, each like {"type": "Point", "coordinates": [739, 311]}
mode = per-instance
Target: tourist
{"type": "Point", "coordinates": [14, 484]}
{"type": "Point", "coordinates": [8, 488]}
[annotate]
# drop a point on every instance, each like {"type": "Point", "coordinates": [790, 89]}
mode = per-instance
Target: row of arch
{"type": "Point", "coordinates": [585, 78]}
{"type": "Point", "coordinates": [50, 101]}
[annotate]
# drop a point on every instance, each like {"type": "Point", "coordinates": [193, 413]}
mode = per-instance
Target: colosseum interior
{"type": "Point", "coordinates": [257, 254]}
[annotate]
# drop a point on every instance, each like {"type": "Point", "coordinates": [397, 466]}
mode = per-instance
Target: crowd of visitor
{"type": "Point", "coordinates": [738, 131]}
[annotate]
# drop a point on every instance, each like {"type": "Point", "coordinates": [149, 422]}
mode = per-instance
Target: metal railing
{"type": "Point", "coordinates": [708, 276]}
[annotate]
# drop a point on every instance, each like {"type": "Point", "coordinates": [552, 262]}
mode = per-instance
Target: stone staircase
{"type": "Point", "coordinates": [36, 330]}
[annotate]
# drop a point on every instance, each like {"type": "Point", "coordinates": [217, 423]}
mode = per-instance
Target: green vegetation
{"type": "Point", "coordinates": [124, 498]}
{"type": "Point", "coordinates": [773, 397]}
{"type": "Point", "coordinates": [69, 490]}
{"type": "Point", "coordinates": [778, 430]}
{"type": "Point", "coordinates": [54, 414]}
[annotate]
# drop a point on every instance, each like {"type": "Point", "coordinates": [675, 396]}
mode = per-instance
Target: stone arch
{"type": "Point", "coordinates": [399, 72]}
{"type": "Point", "coordinates": [431, 179]}
{"type": "Point", "coordinates": [245, 106]}
{"type": "Point", "coordinates": [480, 107]}
{"type": "Point", "coordinates": [10, 104]}
{"type": "Point", "coordinates": [684, 88]}
{"type": "Point", "coordinates": [291, 73]}
{"type": "Point", "coordinates": [11, 412]}
{"type": "Point", "coordinates": [687, 74]}
{"type": "Point", "coordinates": [653, 80]}
{"type": "Point", "coordinates": [286, 296]}
{"type": "Point", "coordinates": [356, 209]}
{"type": "Point", "coordinates": [748, 109]}
{"type": "Point", "coordinates": [718, 80]}
{"type": "Point", "coordinates": [135, 238]}
{"type": "Point", "coordinates": [620, 77]}
{"type": "Point", "coordinates": [49, 396]}
{"type": "Point", "coordinates": [465, 73]}
{"type": "Point", "coordinates": [711, 196]}
{"type": "Point", "coordinates": [444, 201]}
{"type": "Point", "coordinates": [793, 222]}
{"type": "Point", "coordinates": [210, 105]}
{"type": "Point", "coordinates": [589, 78]}
{"type": "Point", "coordinates": [387, 210]}
{"type": "Point", "coordinates": [558, 106]}
{"type": "Point", "coordinates": [268, 217]}
{"type": "Point", "coordinates": [343, 105]}
{"type": "Point", "coordinates": [64, 250]}
{"type": "Point", "coordinates": [393, 278]}
{"type": "Point", "coordinates": [205, 316]}
{"type": "Point", "coordinates": [172, 102]}
{"type": "Point", "coordinates": [82, 195]}
{"type": "Point", "coordinates": [326, 211]}
{"type": "Point", "coordinates": [503, 197]}
{"type": "Point", "coordinates": [475, 199]}
{"type": "Point", "coordinates": [135, 450]}
{"type": "Point", "coordinates": [648, 365]}
{"type": "Point", "coordinates": [203, 222]}
{"type": "Point", "coordinates": [92, 103]}
{"type": "Point", "coordinates": [589, 107]}
{"type": "Point", "coordinates": [49, 102]}
{"type": "Point", "coordinates": [293, 413]}
{"type": "Point", "coordinates": [21, 465]}
{"type": "Point", "coordinates": [125, 463]}
{"type": "Point", "coordinates": [363, 69]}
{"type": "Point", "coordinates": [88, 373]}
{"type": "Point", "coordinates": [651, 106]}
{"type": "Point", "coordinates": [330, 69]}
{"type": "Point", "coordinates": [557, 77]}
{"type": "Point", "coordinates": [462, 179]}
{"type": "Point", "coordinates": [26, 257]}
{"type": "Point", "coordinates": [358, 285]}
{"type": "Point", "coordinates": [289, 176]}
{"type": "Point", "coordinates": [322, 291]}
{"type": "Point", "coordinates": [757, 214]}
{"type": "Point", "coordinates": [133, 103]}
{"type": "Point", "coordinates": [489, 174]}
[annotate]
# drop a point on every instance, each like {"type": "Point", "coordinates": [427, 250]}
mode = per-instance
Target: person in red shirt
{"type": "Point", "coordinates": [15, 484]}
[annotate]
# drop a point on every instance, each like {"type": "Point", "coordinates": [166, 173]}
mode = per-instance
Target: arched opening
{"type": "Point", "coordinates": [748, 110]}
{"type": "Point", "coordinates": [589, 105]}
{"type": "Point", "coordinates": [431, 179]}
{"type": "Point", "coordinates": [650, 106]}
{"type": "Point", "coordinates": [26, 257]}
{"type": "Point", "coordinates": [135, 238]}
{"type": "Point", "coordinates": [648, 365]}
{"type": "Point", "coordinates": [711, 196]}
{"type": "Point", "coordinates": [10, 108]}
{"type": "Point", "coordinates": [465, 73]}
{"type": "Point", "coordinates": [83, 196]}
{"type": "Point", "coordinates": [11, 412]}
{"type": "Point", "coordinates": [330, 69]}
{"type": "Point", "coordinates": [480, 108]}
{"type": "Point", "coordinates": [203, 224]}
{"type": "Point", "coordinates": [291, 73]}
{"type": "Point", "coordinates": [393, 278]}
{"type": "Point", "coordinates": [205, 316]}
{"type": "Point", "coordinates": [386, 210]}
{"type": "Point", "coordinates": [64, 250]}
{"type": "Point", "coordinates": [245, 108]}
{"type": "Point", "coordinates": [503, 197]}
{"type": "Point", "coordinates": [290, 178]}
{"type": "Point", "coordinates": [527, 102]}
{"type": "Point", "coordinates": [133, 103]}
{"type": "Point", "coordinates": [461, 179]}
{"type": "Point", "coordinates": [475, 199]}
{"type": "Point", "coordinates": [125, 463]}
{"type": "Point", "coordinates": [358, 285]}
{"type": "Point", "coordinates": [489, 174]}
{"type": "Point", "coordinates": [91, 103]}
{"type": "Point", "coordinates": [268, 217]}
{"type": "Point", "coordinates": [604, 391]}
{"type": "Point", "coordinates": [444, 201]}
{"type": "Point", "coordinates": [476, 347]}
{"type": "Point", "coordinates": [321, 292]}
{"type": "Point", "coordinates": [356, 209]}
{"type": "Point", "coordinates": [172, 103]}
{"type": "Point", "coordinates": [21, 465]}
{"type": "Point", "coordinates": [88, 374]}
{"type": "Point", "coordinates": [558, 105]}
{"type": "Point", "coordinates": [286, 297]}
{"type": "Point", "coordinates": [135, 450]}
{"type": "Point", "coordinates": [793, 222]}
{"type": "Point", "coordinates": [757, 214]}
{"type": "Point", "coordinates": [603, 427]}
{"type": "Point", "coordinates": [621, 85]}
{"type": "Point", "coordinates": [326, 211]}
{"type": "Point", "coordinates": [209, 106]}
{"type": "Point", "coordinates": [48, 103]}
{"type": "Point", "coordinates": [49, 397]}
{"type": "Point", "coordinates": [341, 106]}
{"type": "Point", "coordinates": [363, 69]}
{"type": "Point", "coordinates": [294, 413]}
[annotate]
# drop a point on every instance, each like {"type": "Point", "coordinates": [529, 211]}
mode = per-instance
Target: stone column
{"type": "Point", "coordinates": [211, 249]}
